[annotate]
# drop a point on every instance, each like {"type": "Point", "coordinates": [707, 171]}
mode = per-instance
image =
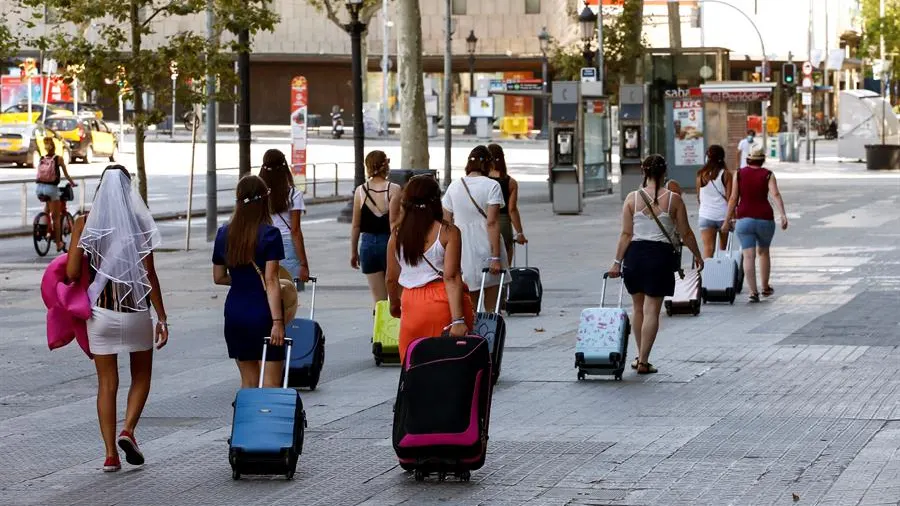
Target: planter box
{"type": "Point", "coordinates": [883, 157]}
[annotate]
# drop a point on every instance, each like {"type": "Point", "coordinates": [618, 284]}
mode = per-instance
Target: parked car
{"type": "Point", "coordinates": [18, 114]}
{"type": "Point", "coordinates": [23, 144]}
{"type": "Point", "coordinates": [88, 137]}
{"type": "Point", "coordinates": [85, 109]}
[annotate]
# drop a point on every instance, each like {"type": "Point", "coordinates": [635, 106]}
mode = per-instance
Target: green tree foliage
{"type": "Point", "coordinates": [875, 26]}
{"type": "Point", "coordinates": [623, 46]}
{"type": "Point", "coordinates": [110, 51]}
{"type": "Point", "coordinates": [8, 43]}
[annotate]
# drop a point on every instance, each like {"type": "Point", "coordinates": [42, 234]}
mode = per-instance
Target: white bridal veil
{"type": "Point", "coordinates": [118, 235]}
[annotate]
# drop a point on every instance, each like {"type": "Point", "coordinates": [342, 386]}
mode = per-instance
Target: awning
{"type": "Point", "coordinates": [737, 91]}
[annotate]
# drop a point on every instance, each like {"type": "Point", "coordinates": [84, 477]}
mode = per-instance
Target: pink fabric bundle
{"type": "Point", "coordinates": [68, 306]}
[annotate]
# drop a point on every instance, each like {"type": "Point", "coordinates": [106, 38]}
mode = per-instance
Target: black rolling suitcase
{"type": "Point", "coordinates": [492, 327]}
{"type": "Point", "coordinates": [443, 406]}
{"type": "Point", "coordinates": [525, 291]}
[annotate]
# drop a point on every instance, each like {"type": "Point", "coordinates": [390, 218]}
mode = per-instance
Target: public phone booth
{"type": "Point", "coordinates": [580, 145]}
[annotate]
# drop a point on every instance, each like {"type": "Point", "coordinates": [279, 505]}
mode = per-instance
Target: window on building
{"type": "Point", "coordinates": [532, 6]}
{"type": "Point", "coordinates": [458, 7]}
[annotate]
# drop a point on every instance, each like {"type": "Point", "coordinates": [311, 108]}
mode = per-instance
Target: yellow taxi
{"type": "Point", "coordinates": [18, 114]}
{"type": "Point", "coordinates": [88, 137]}
{"type": "Point", "coordinates": [24, 144]}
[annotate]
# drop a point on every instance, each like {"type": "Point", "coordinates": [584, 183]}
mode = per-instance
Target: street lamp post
{"type": "Point", "coordinates": [588, 22]}
{"type": "Point", "coordinates": [544, 39]}
{"type": "Point", "coordinates": [356, 28]}
{"type": "Point", "coordinates": [471, 44]}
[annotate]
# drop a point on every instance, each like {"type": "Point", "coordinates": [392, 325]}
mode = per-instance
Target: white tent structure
{"type": "Point", "coordinates": [863, 116]}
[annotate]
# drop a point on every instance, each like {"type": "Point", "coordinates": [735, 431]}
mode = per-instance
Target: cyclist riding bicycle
{"type": "Point", "coordinates": [48, 178]}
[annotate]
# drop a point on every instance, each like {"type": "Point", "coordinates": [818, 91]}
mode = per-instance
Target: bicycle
{"type": "Point", "coordinates": [43, 232]}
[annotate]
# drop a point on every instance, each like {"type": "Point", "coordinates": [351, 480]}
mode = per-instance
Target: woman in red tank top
{"type": "Point", "coordinates": [755, 225]}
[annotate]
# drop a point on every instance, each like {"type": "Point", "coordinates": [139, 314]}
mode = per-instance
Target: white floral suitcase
{"type": "Point", "coordinates": [601, 344]}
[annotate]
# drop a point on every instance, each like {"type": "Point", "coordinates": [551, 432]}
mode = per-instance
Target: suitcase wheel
{"type": "Point", "coordinates": [235, 475]}
{"type": "Point", "coordinates": [618, 376]}
{"type": "Point", "coordinates": [377, 362]}
{"type": "Point", "coordinates": [290, 475]}
{"type": "Point", "coordinates": [581, 375]}
{"type": "Point", "coordinates": [442, 476]}
{"type": "Point", "coordinates": [420, 475]}
{"type": "Point", "coordinates": [464, 476]}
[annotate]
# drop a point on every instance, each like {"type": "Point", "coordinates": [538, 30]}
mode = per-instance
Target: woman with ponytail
{"type": "Point", "coordinates": [650, 217]}
{"type": "Point", "coordinates": [423, 262]}
{"type": "Point", "coordinates": [473, 204]}
{"type": "Point", "coordinates": [713, 189]}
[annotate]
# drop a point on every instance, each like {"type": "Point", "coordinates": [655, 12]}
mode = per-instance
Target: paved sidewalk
{"type": "Point", "coordinates": [797, 395]}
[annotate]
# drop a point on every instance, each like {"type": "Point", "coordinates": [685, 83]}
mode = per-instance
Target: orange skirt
{"type": "Point", "coordinates": [425, 311]}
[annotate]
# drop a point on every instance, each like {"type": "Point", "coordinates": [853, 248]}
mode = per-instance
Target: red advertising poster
{"type": "Point", "coordinates": [15, 90]}
{"type": "Point", "coordinates": [299, 100]}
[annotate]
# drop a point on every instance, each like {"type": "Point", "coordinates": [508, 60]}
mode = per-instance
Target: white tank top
{"type": "Point", "coordinates": [414, 276]}
{"type": "Point", "coordinates": [645, 227]}
{"type": "Point", "coordinates": [713, 205]}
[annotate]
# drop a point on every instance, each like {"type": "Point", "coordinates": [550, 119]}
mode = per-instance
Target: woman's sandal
{"type": "Point", "coordinates": [754, 297]}
{"type": "Point", "coordinates": [768, 291]}
{"type": "Point", "coordinates": [646, 368]}
{"type": "Point", "coordinates": [636, 363]}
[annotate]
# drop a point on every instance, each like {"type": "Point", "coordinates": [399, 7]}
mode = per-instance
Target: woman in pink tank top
{"type": "Point", "coordinates": [755, 225]}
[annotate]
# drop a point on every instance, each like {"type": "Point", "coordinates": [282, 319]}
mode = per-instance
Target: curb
{"type": "Point", "coordinates": [174, 215]}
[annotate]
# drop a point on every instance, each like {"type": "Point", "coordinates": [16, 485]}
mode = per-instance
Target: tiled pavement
{"type": "Point", "coordinates": [753, 404]}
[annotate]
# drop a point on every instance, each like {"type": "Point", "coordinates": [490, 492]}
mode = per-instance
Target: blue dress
{"type": "Point", "coordinates": [248, 319]}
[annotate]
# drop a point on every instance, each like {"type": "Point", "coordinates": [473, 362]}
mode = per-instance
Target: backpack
{"type": "Point", "coordinates": [46, 172]}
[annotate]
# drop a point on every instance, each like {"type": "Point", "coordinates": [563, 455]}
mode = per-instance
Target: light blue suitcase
{"type": "Point", "coordinates": [601, 344]}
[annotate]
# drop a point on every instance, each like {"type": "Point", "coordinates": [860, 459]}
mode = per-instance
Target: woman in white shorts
{"type": "Point", "coordinates": [118, 238]}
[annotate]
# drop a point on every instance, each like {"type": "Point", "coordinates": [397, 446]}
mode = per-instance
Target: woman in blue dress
{"type": "Point", "coordinates": [247, 248]}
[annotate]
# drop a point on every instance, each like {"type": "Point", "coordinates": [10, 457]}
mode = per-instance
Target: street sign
{"type": "Point", "coordinates": [807, 82]}
{"type": "Point", "coordinates": [807, 68]}
{"type": "Point", "coordinates": [525, 85]}
{"type": "Point", "coordinates": [807, 98]}
{"type": "Point", "coordinates": [588, 74]}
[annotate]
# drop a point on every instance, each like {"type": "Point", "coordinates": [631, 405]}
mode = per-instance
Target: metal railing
{"type": "Point", "coordinates": [79, 190]}
{"type": "Point", "coordinates": [311, 184]}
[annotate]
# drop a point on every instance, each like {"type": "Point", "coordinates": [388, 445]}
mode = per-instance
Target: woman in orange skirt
{"type": "Point", "coordinates": [423, 256]}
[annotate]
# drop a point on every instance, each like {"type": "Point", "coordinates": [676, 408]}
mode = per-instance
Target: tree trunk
{"type": "Point", "coordinates": [634, 12]}
{"type": "Point", "coordinates": [674, 25]}
{"type": "Point", "coordinates": [414, 134]}
{"type": "Point", "coordinates": [137, 90]}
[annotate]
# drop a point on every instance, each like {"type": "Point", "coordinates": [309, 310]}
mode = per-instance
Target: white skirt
{"type": "Point", "coordinates": [112, 332]}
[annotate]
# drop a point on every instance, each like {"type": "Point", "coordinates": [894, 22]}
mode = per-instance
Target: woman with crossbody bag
{"type": "Point", "coordinates": [713, 189]}
{"type": "Point", "coordinates": [424, 281]}
{"type": "Point", "coordinates": [648, 253]}
{"type": "Point", "coordinates": [287, 207]}
{"type": "Point", "coordinates": [473, 204]}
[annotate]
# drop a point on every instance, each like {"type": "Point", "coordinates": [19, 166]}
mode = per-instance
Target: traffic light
{"type": "Point", "coordinates": [788, 74]}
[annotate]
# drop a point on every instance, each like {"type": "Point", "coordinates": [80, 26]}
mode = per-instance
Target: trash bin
{"type": "Point", "coordinates": [787, 147]}
{"type": "Point", "coordinates": [566, 190]}
{"type": "Point", "coordinates": [401, 176]}
{"type": "Point", "coordinates": [882, 156]}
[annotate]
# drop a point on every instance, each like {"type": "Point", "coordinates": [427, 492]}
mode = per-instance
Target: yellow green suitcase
{"type": "Point", "coordinates": [385, 335]}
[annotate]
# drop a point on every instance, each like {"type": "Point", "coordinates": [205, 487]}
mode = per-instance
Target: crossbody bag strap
{"type": "Point", "coordinates": [480, 210]}
{"type": "Point", "coordinates": [261, 277]}
{"type": "Point", "coordinates": [656, 219]}
{"type": "Point", "coordinates": [435, 269]}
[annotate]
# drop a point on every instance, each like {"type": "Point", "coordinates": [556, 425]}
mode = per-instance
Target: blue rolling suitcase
{"type": "Point", "coordinates": [308, 355]}
{"type": "Point", "coordinates": [492, 327]}
{"type": "Point", "coordinates": [601, 344]}
{"type": "Point", "coordinates": [267, 430]}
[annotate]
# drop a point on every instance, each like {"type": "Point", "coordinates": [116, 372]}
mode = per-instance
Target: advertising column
{"type": "Point", "coordinates": [686, 145]}
{"type": "Point", "coordinates": [299, 99]}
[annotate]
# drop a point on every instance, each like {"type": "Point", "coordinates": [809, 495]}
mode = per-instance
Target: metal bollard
{"type": "Point", "coordinates": [314, 181]}
{"type": "Point", "coordinates": [335, 179]}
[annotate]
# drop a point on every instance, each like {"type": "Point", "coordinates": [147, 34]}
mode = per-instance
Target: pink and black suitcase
{"type": "Point", "coordinates": [443, 406]}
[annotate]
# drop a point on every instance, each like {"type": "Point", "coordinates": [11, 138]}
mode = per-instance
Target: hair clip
{"type": "Point", "coordinates": [255, 197]}
{"type": "Point", "coordinates": [420, 206]}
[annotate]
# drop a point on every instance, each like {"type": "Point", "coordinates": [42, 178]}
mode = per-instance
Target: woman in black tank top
{"type": "Point", "coordinates": [509, 217]}
{"type": "Point", "coordinates": [372, 223]}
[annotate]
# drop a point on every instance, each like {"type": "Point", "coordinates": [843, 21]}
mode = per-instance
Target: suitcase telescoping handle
{"type": "Point", "coordinates": [287, 354]}
{"type": "Point", "coordinates": [603, 290]}
{"type": "Point", "coordinates": [312, 302]}
{"type": "Point", "coordinates": [484, 273]}
{"type": "Point", "coordinates": [526, 254]}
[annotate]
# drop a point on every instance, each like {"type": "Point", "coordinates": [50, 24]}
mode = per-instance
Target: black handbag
{"type": "Point", "coordinates": [675, 258]}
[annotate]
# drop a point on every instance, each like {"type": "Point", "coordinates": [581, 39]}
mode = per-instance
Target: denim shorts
{"type": "Point", "coordinates": [373, 252]}
{"type": "Point", "coordinates": [50, 191]}
{"type": "Point", "coordinates": [290, 262]}
{"type": "Point", "coordinates": [706, 223]}
{"type": "Point", "coordinates": [755, 233]}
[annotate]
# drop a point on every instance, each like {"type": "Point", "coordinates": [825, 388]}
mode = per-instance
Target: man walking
{"type": "Point", "coordinates": [744, 148]}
